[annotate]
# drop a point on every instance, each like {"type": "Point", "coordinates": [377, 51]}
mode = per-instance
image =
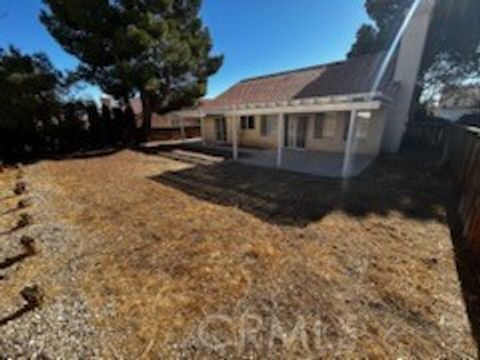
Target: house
{"type": "Point", "coordinates": [331, 119]}
{"type": "Point", "coordinates": [174, 120]}
{"type": "Point", "coordinates": [457, 102]}
{"type": "Point", "coordinates": [174, 125]}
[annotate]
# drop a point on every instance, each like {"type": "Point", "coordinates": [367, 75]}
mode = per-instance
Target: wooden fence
{"type": "Point", "coordinates": [463, 152]}
{"type": "Point", "coordinates": [426, 135]}
{"type": "Point", "coordinates": [165, 134]}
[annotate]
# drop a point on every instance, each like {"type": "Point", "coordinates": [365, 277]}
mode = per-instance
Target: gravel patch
{"type": "Point", "coordinates": [64, 326]}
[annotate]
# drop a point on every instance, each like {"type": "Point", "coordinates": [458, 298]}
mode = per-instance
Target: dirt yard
{"type": "Point", "coordinates": [165, 255]}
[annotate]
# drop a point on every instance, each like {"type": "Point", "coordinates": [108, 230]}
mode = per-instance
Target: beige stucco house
{"type": "Point", "coordinates": [303, 110]}
{"type": "Point", "coordinates": [331, 119]}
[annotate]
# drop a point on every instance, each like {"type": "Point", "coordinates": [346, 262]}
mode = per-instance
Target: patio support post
{"type": "Point", "coordinates": [347, 160]}
{"type": "Point", "coordinates": [235, 138]}
{"type": "Point", "coordinates": [182, 129]}
{"type": "Point", "coordinates": [202, 124]}
{"type": "Point", "coordinates": [281, 136]}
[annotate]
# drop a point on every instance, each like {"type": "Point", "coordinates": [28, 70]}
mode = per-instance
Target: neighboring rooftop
{"type": "Point", "coordinates": [348, 77]}
{"type": "Point", "coordinates": [466, 97]}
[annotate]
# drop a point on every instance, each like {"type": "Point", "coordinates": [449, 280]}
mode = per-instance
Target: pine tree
{"type": "Point", "coordinates": [158, 49]}
{"type": "Point", "coordinates": [30, 93]}
{"type": "Point", "coordinates": [387, 16]}
{"type": "Point", "coordinates": [451, 56]}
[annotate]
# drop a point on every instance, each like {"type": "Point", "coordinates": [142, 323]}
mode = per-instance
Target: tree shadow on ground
{"type": "Point", "coordinates": [33, 297]}
{"type": "Point", "coordinates": [11, 211]}
{"type": "Point", "coordinates": [468, 269]}
{"type": "Point", "coordinates": [9, 262]}
{"type": "Point", "coordinates": [406, 183]}
{"type": "Point", "coordinates": [74, 155]}
{"type": "Point", "coordinates": [15, 315]}
{"type": "Point", "coordinates": [11, 231]}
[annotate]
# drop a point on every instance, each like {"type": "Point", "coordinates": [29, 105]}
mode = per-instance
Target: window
{"type": "Point", "coordinates": [247, 122]}
{"type": "Point", "coordinates": [325, 126]}
{"type": "Point", "coordinates": [319, 124]}
{"type": "Point", "coordinates": [268, 125]}
{"type": "Point", "coordinates": [244, 122]}
{"type": "Point", "coordinates": [363, 124]}
{"type": "Point", "coordinates": [251, 122]}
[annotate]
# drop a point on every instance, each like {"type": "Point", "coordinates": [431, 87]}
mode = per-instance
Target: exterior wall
{"type": "Point", "coordinates": [246, 137]}
{"type": "Point", "coordinates": [253, 138]}
{"type": "Point", "coordinates": [208, 131]}
{"type": "Point", "coordinates": [408, 65]}
{"type": "Point", "coordinates": [336, 144]}
{"type": "Point", "coordinates": [374, 144]}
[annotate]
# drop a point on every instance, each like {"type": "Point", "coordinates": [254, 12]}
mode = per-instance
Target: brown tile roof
{"type": "Point", "coordinates": [348, 77]}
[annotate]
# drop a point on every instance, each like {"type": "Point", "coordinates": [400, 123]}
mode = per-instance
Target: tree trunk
{"type": "Point", "coordinates": [147, 112]}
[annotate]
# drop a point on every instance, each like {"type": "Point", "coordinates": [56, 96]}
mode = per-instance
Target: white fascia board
{"type": "Point", "coordinates": [361, 101]}
{"type": "Point", "coordinates": [370, 105]}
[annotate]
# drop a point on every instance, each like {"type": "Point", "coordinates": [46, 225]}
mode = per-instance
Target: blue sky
{"type": "Point", "coordinates": [256, 36]}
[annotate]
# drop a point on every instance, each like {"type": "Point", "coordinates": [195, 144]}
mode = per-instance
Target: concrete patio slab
{"type": "Point", "coordinates": [303, 161]}
{"type": "Point", "coordinates": [300, 161]}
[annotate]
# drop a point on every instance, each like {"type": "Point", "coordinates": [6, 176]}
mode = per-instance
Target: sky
{"type": "Point", "coordinates": [256, 37]}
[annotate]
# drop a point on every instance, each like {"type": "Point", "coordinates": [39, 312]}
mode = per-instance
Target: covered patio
{"type": "Point", "coordinates": [310, 162]}
{"type": "Point", "coordinates": [348, 163]}
{"type": "Point", "coordinates": [306, 161]}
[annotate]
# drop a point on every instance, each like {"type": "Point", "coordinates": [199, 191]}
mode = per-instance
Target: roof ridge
{"type": "Point", "coordinates": [308, 68]}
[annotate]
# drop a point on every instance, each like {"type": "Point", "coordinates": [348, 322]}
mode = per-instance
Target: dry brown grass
{"type": "Point", "coordinates": [167, 244]}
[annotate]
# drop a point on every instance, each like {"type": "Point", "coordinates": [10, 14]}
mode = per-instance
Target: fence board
{"type": "Point", "coordinates": [426, 135]}
{"type": "Point", "coordinates": [464, 163]}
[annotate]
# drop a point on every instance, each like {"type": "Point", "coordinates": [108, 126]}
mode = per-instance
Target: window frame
{"type": "Point", "coordinates": [251, 122]}
{"type": "Point", "coordinates": [247, 122]}
{"type": "Point", "coordinates": [318, 131]}
{"type": "Point", "coordinates": [243, 122]}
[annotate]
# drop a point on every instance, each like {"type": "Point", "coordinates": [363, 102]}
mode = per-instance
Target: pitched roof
{"type": "Point", "coordinates": [352, 76]}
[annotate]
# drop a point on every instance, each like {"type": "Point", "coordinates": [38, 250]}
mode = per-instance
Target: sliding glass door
{"type": "Point", "coordinates": [296, 131]}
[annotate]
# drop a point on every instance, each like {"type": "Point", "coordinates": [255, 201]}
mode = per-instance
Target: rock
{"type": "Point", "coordinates": [25, 220]}
{"type": "Point", "coordinates": [29, 244]}
{"type": "Point", "coordinates": [24, 203]}
{"type": "Point", "coordinates": [20, 188]}
{"type": "Point", "coordinates": [33, 295]}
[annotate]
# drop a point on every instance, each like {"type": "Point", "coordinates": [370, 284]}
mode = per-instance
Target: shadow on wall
{"type": "Point", "coordinates": [403, 183]}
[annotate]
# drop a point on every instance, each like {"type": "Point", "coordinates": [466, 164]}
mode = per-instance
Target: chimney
{"type": "Point", "coordinates": [407, 69]}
